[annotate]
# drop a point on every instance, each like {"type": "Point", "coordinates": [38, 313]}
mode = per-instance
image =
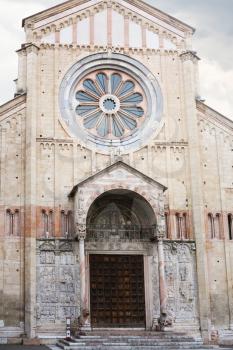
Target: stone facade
{"type": "Point", "coordinates": [180, 174]}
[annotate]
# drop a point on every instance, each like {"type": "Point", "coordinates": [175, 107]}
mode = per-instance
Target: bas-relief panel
{"type": "Point", "coordinates": [180, 270]}
{"type": "Point", "coordinates": [57, 282]}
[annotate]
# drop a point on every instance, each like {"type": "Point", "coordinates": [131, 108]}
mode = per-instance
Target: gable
{"type": "Point", "coordinates": [121, 23]}
{"type": "Point", "coordinates": [117, 174]}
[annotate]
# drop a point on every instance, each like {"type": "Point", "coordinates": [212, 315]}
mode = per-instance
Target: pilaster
{"type": "Point", "coordinates": [30, 192]}
{"type": "Point", "coordinates": [229, 273]}
{"type": "Point", "coordinates": [22, 71]}
{"type": "Point", "coordinates": [189, 59]}
{"type": "Point", "coordinates": [2, 163]}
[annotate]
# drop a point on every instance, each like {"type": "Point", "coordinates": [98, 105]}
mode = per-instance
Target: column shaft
{"type": "Point", "coordinates": [162, 280]}
{"type": "Point", "coordinates": [82, 274]}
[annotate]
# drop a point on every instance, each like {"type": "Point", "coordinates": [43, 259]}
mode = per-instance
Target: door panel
{"type": "Point", "coordinates": [117, 291]}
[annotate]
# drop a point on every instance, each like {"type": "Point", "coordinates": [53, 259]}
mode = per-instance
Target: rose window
{"type": "Point", "coordinates": [110, 104]}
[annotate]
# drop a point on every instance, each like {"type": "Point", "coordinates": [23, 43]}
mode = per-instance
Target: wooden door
{"type": "Point", "coordinates": [117, 291]}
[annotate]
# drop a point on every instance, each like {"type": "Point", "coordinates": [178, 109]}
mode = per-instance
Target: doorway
{"type": "Point", "coordinates": [117, 293]}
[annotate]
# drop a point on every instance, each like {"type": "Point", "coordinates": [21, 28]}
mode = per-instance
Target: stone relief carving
{"type": "Point", "coordinates": [81, 230]}
{"type": "Point", "coordinates": [57, 282]}
{"type": "Point", "coordinates": [180, 270]}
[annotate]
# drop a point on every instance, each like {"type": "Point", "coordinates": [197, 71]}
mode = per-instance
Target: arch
{"type": "Point", "coordinates": [138, 203]}
{"type": "Point", "coordinates": [122, 212]}
{"type": "Point", "coordinates": [149, 199]}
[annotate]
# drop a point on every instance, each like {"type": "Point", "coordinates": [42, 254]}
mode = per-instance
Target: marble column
{"type": "Point", "coordinates": [162, 279]}
{"type": "Point", "coordinates": [82, 266]}
{"type": "Point", "coordinates": [84, 323]}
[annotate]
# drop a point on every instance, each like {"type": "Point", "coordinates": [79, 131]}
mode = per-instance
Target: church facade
{"type": "Point", "coordinates": [116, 192]}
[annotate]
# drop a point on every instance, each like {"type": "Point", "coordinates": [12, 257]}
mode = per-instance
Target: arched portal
{"type": "Point", "coordinates": [117, 277]}
{"type": "Point", "coordinates": [120, 213]}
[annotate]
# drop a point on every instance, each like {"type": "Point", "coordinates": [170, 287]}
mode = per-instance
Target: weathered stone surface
{"type": "Point", "coordinates": [190, 153]}
{"type": "Point", "coordinates": [57, 282]}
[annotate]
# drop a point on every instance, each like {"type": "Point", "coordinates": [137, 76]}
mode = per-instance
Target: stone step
{"type": "Point", "coordinates": [135, 341]}
{"type": "Point", "coordinates": [134, 338]}
{"type": "Point", "coordinates": [126, 347]}
{"type": "Point", "coordinates": [130, 342]}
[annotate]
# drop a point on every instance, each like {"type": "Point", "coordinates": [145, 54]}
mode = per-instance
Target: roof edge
{"type": "Point", "coordinates": [16, 101]}
{"type": "Point", "coordinates": [141, 4]}
{"type": "Point", "coordinates": [118, 162]}
{"type": "Point", "coordinates": [202, 107]}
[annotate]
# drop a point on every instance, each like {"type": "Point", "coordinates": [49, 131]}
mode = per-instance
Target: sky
{"type": "Point", "coordinates": [213, 42]}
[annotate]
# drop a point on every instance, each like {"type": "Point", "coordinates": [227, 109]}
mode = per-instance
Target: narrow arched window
{"type": "Point", "coordinates": [217, 226]}
{"type": "Point", "coordinates": [178, 226]}
{"type": "Point", "coordinates": [211, 230]}
{"type": "Point", "coordinates": [166, 225]}
{"type": "Point", "coordinates": [230, 226]}
{"type": "Point", "coordinates": [66, 223]}
{"type": "Point", "coordinates": [47, 220]}
{"type": "Point", "coordinates": [184, 226]}
{"type": "Point", "coordinates": [12, 222]}
{"type": "Point", "coordinates": [16, 223]}
{"type": "Point", "coordinates": [51, 226]}
{"type": "Point", "coordinates": [9, 222]}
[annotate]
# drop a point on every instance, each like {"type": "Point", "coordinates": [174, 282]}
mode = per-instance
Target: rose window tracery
{"type": "Point", "coordinates": [110, 104]}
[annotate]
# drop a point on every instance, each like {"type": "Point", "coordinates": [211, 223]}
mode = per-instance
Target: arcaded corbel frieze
{"type": "Point", "coordinates": [189, 56]}
{"type": "Point", "coordinates": [47, 146]}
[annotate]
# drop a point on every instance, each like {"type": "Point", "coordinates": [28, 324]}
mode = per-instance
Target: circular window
{"type": "Point", "coordinates": [111, 102]}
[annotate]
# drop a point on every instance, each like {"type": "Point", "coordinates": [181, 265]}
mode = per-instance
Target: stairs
{"type": "Point", "coordinates": [134, 341]}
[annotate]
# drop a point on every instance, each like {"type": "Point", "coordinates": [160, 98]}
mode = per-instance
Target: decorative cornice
{"type": "Point", "coordinates": [141, 5]}
{"type": "Point", "coordinates": [113, 49]}
{"type": "Point", "coordinates": [52, 20]}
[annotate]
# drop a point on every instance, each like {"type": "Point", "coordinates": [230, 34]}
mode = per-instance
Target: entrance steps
{"type": "Point", "coordinates": [130, 341]}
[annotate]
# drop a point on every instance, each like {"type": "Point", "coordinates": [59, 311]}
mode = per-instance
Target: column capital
{"type": "Point", "coordinates": [81, 231]}
{"type": "Point", "coordinates": [160, 236]}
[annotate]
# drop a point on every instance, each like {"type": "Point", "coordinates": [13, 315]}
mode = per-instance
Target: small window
{"type": "Point", "coordinates": [12, 222]}
{"type": "Point", "coordinates": [184, 227]}
{"type": "Point", "coordinates": [178, 226]}
{"type": "Point", "coordinates": [217, 225]}
{"type": "Point", "coordinates": [66, 223]}
{"type": "Point", "coordinates": [167, 225]}
{"type": "Point", "coordinates": [230, 226]}
{"type": "Point", "coordinates": [47, 218]}
{"type": "Point", "coordinates": [211, 231]}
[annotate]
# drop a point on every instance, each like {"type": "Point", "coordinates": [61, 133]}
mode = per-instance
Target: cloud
{"type": "Point", "coordinates": [216, 86]}
{"type": "Point", "coordinates": [213, 41]}
{"type": "Point", "coordinates": [12, 36]}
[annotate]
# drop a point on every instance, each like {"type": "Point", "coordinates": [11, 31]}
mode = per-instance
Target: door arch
{"type": "Point", "coordinates": [120, 212]}
{"type": "Point", "coordinates": [117, 287]}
